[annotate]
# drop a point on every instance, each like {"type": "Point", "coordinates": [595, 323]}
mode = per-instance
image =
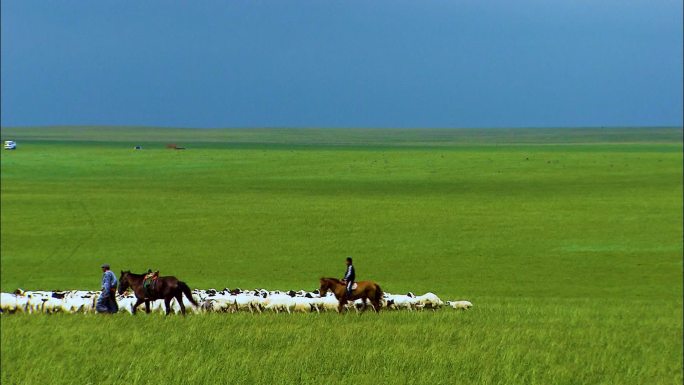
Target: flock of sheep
{"type": "Point", "coordinates": [215, 301]}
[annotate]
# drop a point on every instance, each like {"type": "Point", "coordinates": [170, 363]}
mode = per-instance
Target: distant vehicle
{"type": "Point", "coordinates": [10, 145]}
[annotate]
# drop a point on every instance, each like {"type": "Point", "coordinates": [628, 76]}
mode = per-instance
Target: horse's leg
{"type": "Point", "coordinates": [147, 306]}
{"type": "Point", "coordinates": [167, 304]}
{"type": "Point", "coordinates": [342, 302]}
{"type": "Point", "coordinates": [136, 304]}
{"type": "Point", "coordinates": [179, 298]}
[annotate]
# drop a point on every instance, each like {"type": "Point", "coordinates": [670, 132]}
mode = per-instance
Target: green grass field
{"type": "Point", "coordinates": [567, 241]}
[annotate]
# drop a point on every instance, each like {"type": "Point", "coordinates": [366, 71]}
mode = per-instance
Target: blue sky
{"type": "Point", "coordinates": [345, 63]}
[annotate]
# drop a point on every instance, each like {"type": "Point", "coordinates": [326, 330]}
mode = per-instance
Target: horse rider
{"type": "Point", "coordinates": [349, 277]}
{"type": "Point", "coordinates": [106, 303]}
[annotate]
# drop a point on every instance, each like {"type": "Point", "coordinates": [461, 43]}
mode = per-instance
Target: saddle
{"type": "Point", "coordinates": [150, 282]}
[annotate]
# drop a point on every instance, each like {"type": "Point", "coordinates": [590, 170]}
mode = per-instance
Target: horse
{"type": "Point", "coordinates": [365, 290]}
{"type": "Point", "coordinates": [166, 288]}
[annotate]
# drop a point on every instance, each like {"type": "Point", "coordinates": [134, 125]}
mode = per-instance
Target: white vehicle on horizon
{"type": "Point", "coordinates": [10, 145]}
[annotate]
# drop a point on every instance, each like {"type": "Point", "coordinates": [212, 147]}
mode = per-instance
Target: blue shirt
{"type": "Point", "coordinates": [108, 281]}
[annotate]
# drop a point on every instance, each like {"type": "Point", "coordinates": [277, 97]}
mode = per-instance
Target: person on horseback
{"type": "Point", "coordinates": [349, 277]}
{"type": "Point", "coordinates": [106, 303]}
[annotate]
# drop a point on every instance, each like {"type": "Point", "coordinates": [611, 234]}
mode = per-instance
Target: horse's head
{"type": "Point", "coordinates": [325, 286]}
{"type": "Point", "coordinates": [123, 282]}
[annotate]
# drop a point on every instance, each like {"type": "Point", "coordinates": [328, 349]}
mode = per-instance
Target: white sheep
{"type": "Point", "coordinates": [459, 305]}
{"type": "Point", "coordinates": [306, 305]}
{"type": "Point", "coordinates": [8, 303]}
{"type": "Point", "coordinates": [329, 303]}
{"type": "Point", "coordinates": [211, 305]}
{"type": "Point", "coordinates": [35, 303]}
{"type": "Point", "coordinates": [398, 302]}
{"type": "Point", "coordinates": [249, 302]}
{"type": "Point", "coordinates": [280, 302]}
{"type": "Point", "coordinates": [429, 301]}
{"type": "Point", "coordinates": [52, 305]}
{"type": "Point", "coordinates": [126, 304]}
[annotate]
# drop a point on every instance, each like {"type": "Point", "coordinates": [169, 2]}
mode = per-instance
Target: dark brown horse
{"type": "Point", "coordinates": [166, 288]}
{"type": "Point", "coordinates": [365, 290]}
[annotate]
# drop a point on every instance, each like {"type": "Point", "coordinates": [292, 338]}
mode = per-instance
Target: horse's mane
{"type": "Point", "coordinates": [134, 274]}
{"type": "Point", "coordinates": [332, 279]}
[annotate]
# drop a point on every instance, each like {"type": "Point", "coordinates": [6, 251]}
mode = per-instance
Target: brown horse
{"type": "Point", "coordinates": [365, 290]}
{"type": "Point", "coordinates": [166, 288]}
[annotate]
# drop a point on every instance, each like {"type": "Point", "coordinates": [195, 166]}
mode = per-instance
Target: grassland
{"type": "Point", "coordinates": [568, 242]}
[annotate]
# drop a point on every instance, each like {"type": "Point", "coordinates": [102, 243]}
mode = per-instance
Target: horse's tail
{"type": "Point", "coordinates": [378, 295]}
{"type": "Point", "coordinates": [188, 293]}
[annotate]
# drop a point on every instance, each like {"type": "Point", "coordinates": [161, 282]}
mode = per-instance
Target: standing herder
{"type": "Point", "coordinates": [349, 277]}
{"type": "Point", "coordinates": [107, 301]}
